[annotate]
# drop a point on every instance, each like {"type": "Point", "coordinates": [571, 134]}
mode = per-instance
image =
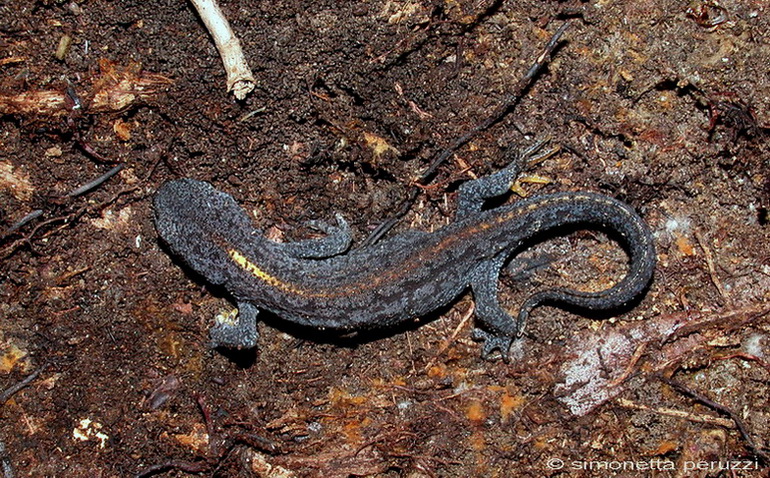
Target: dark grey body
{"type": "Point", "coordinates": [317, 283]}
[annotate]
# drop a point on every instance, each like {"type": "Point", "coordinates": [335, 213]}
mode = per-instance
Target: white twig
{"type": "Point", "coordinates": [240, 79]}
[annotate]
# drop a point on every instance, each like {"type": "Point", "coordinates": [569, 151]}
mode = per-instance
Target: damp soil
{"type": "Point", "coordinates": [663, 105]}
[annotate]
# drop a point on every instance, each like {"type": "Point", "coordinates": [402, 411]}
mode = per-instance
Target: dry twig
{"type": "Point", "coordinates": [721, 409]}
{"type": "Point", "coordinates": [117, 88]}
{"type": "Point", "coordinates": [504, 108]}
{"type": "Point", "coordinates": [450, 340]}
{"type": "Point", "coordinates": [22, 222]}
{"type": "Point", "coordinates": [711, 267]}
{"type": "Point", "coordinates": [96, 182]}
{"type": "Point", "coordinates": [11, 391]}
{"type": "Point", "coordinates": [240, 79]}
{"type": "Point", "coordinates": [670, 412]}
{"type": "Point", "coordinates": [499, 113]}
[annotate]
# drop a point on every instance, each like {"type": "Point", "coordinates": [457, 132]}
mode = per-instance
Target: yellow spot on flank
{"type": "Point", "coordinates": [255, 271]}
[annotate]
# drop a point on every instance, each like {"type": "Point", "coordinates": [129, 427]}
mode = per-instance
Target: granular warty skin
{"type": "Point", "coordinates": [320, 283]}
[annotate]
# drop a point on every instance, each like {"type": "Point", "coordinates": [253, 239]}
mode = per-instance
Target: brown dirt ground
{"type": "Point", "coordinates": [660, 103]}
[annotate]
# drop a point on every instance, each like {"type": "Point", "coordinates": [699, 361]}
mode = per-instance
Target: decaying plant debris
{"type": "Point", "coordinates": [103, 347]}
{"type": "Point", "coordinates": [117, 88]}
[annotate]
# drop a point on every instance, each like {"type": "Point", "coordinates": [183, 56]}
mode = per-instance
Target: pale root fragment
{"type": "Point", "coordinates": [240, 79]}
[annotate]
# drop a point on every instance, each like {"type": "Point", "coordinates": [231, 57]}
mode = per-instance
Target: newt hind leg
{"type": "Point", "coordinates": [473, 194]}
{"type": "Point", "coordinates": [237, 331]}
{"type": "Point", "coordinates": [498, 328]}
